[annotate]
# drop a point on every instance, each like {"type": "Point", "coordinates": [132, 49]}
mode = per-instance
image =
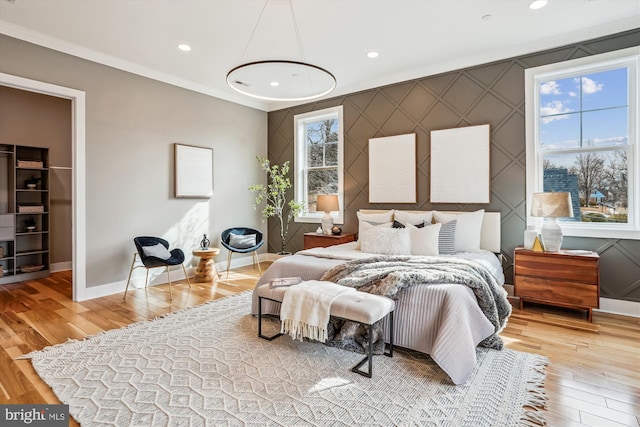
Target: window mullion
{"type": "Point", "coordinates": [603, 122]}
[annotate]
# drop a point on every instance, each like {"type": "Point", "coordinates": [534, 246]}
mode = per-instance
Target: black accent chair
{"type": "Point", "coordinates": [243, 231]}
{"type": "Point", "coordinates": [148, 262]}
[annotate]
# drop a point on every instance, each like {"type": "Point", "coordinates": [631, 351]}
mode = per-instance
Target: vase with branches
{"type": "Point", "coordinates": [274, 194]}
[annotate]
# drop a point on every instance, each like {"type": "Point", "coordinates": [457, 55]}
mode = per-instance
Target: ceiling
{"type": "Point", "coordinates": [414, 38]}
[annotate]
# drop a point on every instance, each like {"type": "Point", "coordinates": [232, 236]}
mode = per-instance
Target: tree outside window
{"type": "Point", "coordinates": [322, 160]}
{"type": "Point", "coordinates": [318, 161]}
{"type": "Point", "coordinates": [584, 139]}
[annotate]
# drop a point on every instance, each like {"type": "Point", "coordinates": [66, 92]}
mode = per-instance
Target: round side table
{"type": "Point", "coordinates": [206, 266]}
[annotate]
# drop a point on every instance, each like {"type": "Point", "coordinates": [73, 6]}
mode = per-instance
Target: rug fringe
{"type": "Point", "coordinates": [536, 403]}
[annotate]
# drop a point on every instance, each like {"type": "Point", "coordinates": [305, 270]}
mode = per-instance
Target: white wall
{"type": "Point", "coordinates": [131, 125]}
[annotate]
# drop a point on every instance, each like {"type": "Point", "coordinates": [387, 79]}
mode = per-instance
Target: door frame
{"type": "Point", "coordinates": [78, 199]}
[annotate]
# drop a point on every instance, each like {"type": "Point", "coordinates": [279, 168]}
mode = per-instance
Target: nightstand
{"type": "Point", "coordinates": [567, 278]}
{"type": "Point", "coordinates": [319, 240]}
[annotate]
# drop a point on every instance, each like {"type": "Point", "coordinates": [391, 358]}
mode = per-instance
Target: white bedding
{"type": "Point", "coordinates": [443, 321]}
{"type": "Point", "coordinates": [348, 251]}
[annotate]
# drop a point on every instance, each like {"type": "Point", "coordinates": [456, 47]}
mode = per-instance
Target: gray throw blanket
{"type": "Point", "coordinates": [390, 275]}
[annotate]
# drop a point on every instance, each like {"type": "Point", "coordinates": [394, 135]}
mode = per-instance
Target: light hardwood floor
{"type": "Point", "coordinates": [593, 377]}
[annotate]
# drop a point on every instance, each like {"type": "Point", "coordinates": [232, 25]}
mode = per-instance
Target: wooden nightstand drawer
{"type": "Point", "coordinates": [557, 291]}
{"type": "Point", "coordinates": [559, 267]}
{"type": "Point", "coordinates": [318, 240]}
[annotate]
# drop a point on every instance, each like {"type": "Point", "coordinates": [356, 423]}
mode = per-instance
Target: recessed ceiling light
{"type": "Point", "coordinates": [274, 84]}
{"type": "Point", "coordinates": [372, 54]}
{"type": "Point", "coordinates": [184, 47]}
{"type": "Point", "coordinates": [537, 4]}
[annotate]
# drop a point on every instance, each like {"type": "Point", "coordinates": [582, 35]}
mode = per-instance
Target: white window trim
{"type": "Point", "coordinates": [299, 159]}
{"type": "Point", "coordinates": [534, 175]}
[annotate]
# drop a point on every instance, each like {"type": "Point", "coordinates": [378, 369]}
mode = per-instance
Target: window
{"type": "Point", "coordinates": [318, 161]}
{"type": "Point", "coordinates": [582, 137]}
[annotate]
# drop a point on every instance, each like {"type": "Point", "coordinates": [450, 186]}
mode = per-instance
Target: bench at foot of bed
{"type": "Point", "coordinates": [356, 306]}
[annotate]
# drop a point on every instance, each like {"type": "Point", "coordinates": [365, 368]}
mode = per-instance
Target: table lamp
{"type": "Point", "coordinates": [327, 203]}
{"type": "Point", "coordinates": [551, 206]}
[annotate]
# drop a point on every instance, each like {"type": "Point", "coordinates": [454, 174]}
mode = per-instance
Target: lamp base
{"type": "Point", "coordinates": [551, 235]}
{"type": "Point", "coordinates": [327, 223]}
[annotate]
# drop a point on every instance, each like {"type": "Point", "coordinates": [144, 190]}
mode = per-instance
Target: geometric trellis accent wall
{"type": "Point", "coordinates": [487, 94]}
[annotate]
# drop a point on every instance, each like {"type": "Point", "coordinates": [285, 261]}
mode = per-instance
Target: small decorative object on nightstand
{"type": "Point", "coordinates": [316, 240]}
{"type": "Point", "coordinates": [566, 278]}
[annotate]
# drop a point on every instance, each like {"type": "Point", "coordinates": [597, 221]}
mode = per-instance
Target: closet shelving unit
{"type": "Point", "coordinates": [24, 213]}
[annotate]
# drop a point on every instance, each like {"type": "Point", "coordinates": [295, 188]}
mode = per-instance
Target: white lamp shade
{"type": "Point", "coordinates": [327, 203]}
{"type": "Point", "coordinates": [552, 205]}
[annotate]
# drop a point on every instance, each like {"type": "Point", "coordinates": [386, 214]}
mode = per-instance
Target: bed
{"type": "Point", "coordinates": [440, 315]}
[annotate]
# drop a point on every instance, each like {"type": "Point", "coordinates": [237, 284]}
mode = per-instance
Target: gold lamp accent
{"type": "Point", "coordinates": [327, 203]}
{"type": "Point", "coordinates": [551, 206]}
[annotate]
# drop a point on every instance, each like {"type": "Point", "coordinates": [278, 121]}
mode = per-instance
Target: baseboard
{"type": "Point", "coordinates": [54, 267]}
{"type": "Point", "coordinates": [159, 276]}
{"type": "Point", "coordinates": [616, 306]}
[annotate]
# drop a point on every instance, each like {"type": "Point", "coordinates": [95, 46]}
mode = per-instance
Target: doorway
{"type": "Point", "coordinates": [78, 200]}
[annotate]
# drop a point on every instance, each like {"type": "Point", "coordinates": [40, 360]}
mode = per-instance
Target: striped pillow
{"type": "Point", "coordinates": [446, 238]}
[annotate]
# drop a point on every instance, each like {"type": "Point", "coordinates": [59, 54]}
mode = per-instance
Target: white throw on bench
{"type": "Point", "coordinates": [356, 306]}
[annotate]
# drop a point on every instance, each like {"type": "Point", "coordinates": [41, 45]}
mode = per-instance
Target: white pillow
{"type": "Point", "coordinates": [468, 229]}
{"type": "Point", "coordinates": [365, 220]}
{"type": "Point", "coordinates": [413, 218]}
{"type": "Point", "coordinates": [386, 241]}
{"type": "Point", "coordinates": [364, 226]}
{"type": "Point", "coordinates": [424, 240]}
{"type": "Point", "coordinates": [242, 241]}
{"type": "Point", "coordinates": [158, 251]}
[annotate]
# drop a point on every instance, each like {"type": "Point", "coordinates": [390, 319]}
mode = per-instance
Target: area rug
{"type": "Point", "coordinates": [205, 366]}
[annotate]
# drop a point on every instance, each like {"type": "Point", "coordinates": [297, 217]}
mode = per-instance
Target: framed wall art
{"type": "Point", "coordinates": [193, 171]}
{"type": "Point", "coordinates": [392, 169]}
{"type": "Point", "coordinates": [460, 163]}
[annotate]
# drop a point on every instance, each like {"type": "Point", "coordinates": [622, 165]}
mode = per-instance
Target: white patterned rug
{"type": "Point", "coordinates": [205, 366]}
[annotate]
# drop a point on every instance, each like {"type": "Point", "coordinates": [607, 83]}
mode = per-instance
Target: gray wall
{"type": "Point", "coordinates": [37, 120]}
{"type": "Point", "coordinates": [131, 125]}
{"type": "Point", "coordinates": [492, 93]}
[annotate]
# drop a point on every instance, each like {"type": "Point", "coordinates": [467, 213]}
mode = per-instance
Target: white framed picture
{"type": "Point", "coordinates": [460, 165]}
{"type": "Point", "coordinates": [193, 171]}
{"type": "Point", "coordinates": [392, 169]}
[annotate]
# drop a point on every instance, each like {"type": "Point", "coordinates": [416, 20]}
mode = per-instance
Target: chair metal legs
{"type": "Point", "coordinates": [169, 276]}
{"type": "Point", "coordinates": [186, 275]}
{"type": "Point", "coordinates": [228, 263]}
{"type": "Point", "coordinates": [146, 280]}
{"type": "Point", "coordinates": [129, 279]}
{"type": "Point", "coordinates": [254, 259]}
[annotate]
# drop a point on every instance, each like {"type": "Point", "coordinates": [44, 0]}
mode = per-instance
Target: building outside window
{"type": "Point", "coordinates": [582, 137]}
{"type": "Point", "coordinates": [319, 161]}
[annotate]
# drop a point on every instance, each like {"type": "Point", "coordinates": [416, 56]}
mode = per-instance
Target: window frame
{"type": "Point", "coordinates": [300, 162]}
{"type": "Point", "coordinates": [630, 58]}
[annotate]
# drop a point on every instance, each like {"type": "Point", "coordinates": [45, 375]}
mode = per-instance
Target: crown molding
{"type": "Point", "coordinates": [56, 44]}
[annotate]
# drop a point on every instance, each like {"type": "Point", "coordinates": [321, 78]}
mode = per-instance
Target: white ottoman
{"type": "Point", "coordinates": [357, 306]}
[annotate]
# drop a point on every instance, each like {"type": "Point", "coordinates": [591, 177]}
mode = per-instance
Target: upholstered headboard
{"type": "Point", "coordinates": [490, 234]}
